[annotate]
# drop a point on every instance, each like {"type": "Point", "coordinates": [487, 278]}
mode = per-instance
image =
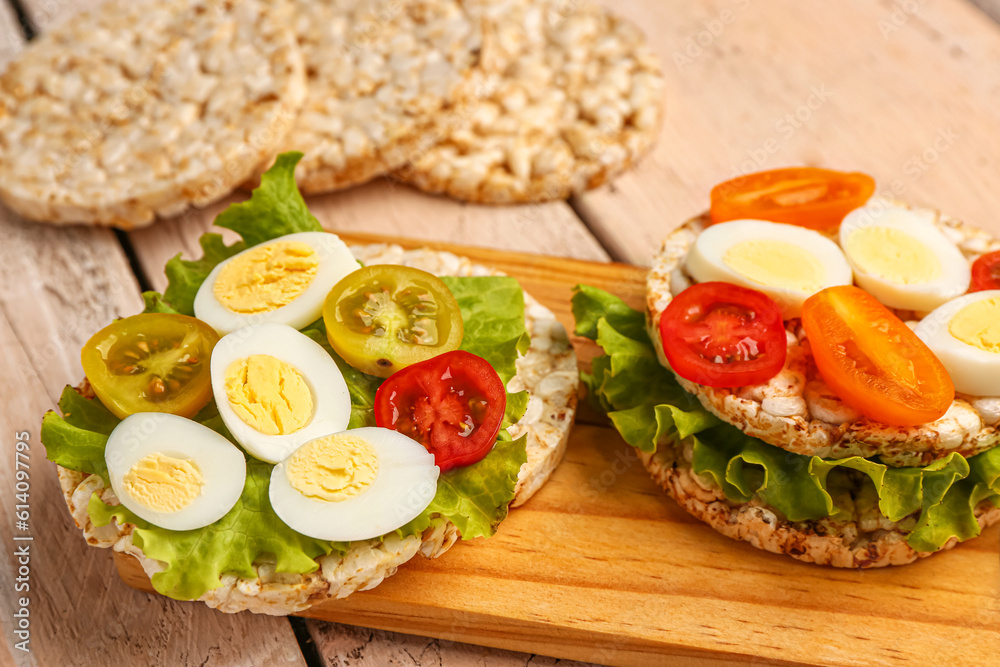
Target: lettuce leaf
{"type": "Point", "coordinates": [76, 440]}
{"type": "Point", "coordinates": [475, 498]}
{"type": "Point", "coordinates": [195, 559]}
{"type": "Point", "coordinates": [650, 409]}
{"type": "Point", "coordinates": [274, 209]}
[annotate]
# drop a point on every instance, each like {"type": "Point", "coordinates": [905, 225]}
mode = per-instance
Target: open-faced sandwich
{"type": "Point", "coordinates": [288, 424]}
{"type": "Point", "coordinates": [817, 371]}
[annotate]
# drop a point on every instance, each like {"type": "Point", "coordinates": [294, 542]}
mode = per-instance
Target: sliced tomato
{"type": "Point", "coordinates": [804, 196]}
{"type": "Point", "coordinates": [452, 404]}
{"type": "Point", "coordinates": [723, 335]}
{"type": "Point", "coordinates": [986, 272]}
{"type": "Point", "coordinates": [385, 317]}
{"type": "Point", "coordinates": [872, 360]}
{"type": "Point", "coordinates": [152, 362]}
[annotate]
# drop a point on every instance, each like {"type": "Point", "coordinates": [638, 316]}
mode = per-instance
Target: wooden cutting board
{"type": "Point", "coordinates": [601, 566]}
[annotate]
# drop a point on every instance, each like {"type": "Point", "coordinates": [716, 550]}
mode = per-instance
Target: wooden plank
{"type": "Point", "coordinates": [11, 40]}
{"type": "Point", "coordinates": [375, 647]}
{"type": "Point", "coordinates": [392, 209]}
{"type": "Point", "coordinates": [602, 566]}
{"type": "Point", "coordinates": [909, 96]}
{"type": "Point", "coordinates": [990, 7]}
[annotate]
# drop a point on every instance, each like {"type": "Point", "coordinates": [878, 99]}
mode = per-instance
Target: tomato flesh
{"type": "Point", "coordinates": [452, 404]}
{"type": "Point", "coordinates": [385, 317]}
{"type": "Point", "coordinates": [804, 196]}
{"type": "Point", "coordinates": [872, 360]}
{"type": "Point", "coordinates": [152, 362]}
{"type": "Point", "coordinates": [723, 335]}
{"type": "Point", "coordinates": [986, 272]}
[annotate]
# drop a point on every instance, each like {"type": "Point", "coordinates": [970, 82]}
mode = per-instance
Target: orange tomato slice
{"type": "Point", "coordinates": [872, 360]}
{"type": "Point", "coordinates": [804, 196]}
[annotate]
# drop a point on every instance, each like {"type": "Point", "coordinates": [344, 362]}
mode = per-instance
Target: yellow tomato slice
{"type": "Point", "coordinates": [152, 362]}
{"type": "Point", "coordinates": [385, 317]}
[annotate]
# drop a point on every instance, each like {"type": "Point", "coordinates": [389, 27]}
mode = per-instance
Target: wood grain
{"type": "Point", "coordinates": [990, 7]}
{"type": "Point", "coordinates": [602, 566]}
{"type": "Point", "coordinates": [912, 98]}
{"type": "Point", "coordinates": [11, 40]}
{"type": "Point", "coordinates": [391, 209]}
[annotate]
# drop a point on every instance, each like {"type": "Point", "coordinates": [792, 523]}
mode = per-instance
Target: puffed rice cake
{"type": "Point", "coordinates": [579, 99]}
{"type": "Point", "coordinates": [796, 411]}
{"type": "Point", "coordinates": [548, 371]}
{"type": "Point", "coordinates": [378, 71]}
{"type": "Point", "coordinates": [139, 108]}
{"type": "Point", "coordinates": [866, 539]}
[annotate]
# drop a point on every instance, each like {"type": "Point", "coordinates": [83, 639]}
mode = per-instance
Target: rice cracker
{"type": "Point", "coordinates": [797, 411]}
{"type": "Point", "coordinates": [138, 108]}
{"type": "Point", "coordinates": [378, 72]}
{"type": "Point", "coordinates": [579, 99]}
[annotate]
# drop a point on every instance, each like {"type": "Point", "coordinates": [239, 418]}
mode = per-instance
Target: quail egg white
{"type": "Point", "coordinates": [276, 388]}
{"type": "Point", "coordinates": [172, 471]}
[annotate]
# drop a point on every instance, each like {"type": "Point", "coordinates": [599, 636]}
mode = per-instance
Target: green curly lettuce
{"type": "Point", "coordinates": [274, 209]}
{"type": "Point", "coordinates": [475, 498]}
{"type": "Point", "coordinates": [650, 409]}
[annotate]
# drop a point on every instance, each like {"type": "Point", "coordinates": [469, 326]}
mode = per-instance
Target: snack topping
{"type": "Point", "coordinates": [452, 404]}
{"type": "Point", "coordinates": [354, 485]}
{"type": "Point", "coordinates": [873, 361]}
{"type": "Point", "coordinates": [723, 335]}
{"type": "Point", "coordinates": [173, 472]}
{"type": "Point", "coordinates": [284, 280]}
{"type": "Point", "coordinates": [965, 335]}
{"type": "Point", "coordinates": [276, 388]}
{"type": "Point", "coordinates": [151, 362]}
{"type": "Point", "coordinates": [902, 258]}
{"type": "Point", "coordinates": [786, 262]}
{"type": "Point", "coordinates": [804, 196]}
{"type": "Point", "coordinates": [384, 317]}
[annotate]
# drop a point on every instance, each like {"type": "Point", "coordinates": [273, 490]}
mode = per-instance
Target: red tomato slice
{"type": "Point", "coordinates": [804, 196]}
{"type": "Point", "coordinates": [986, 272]}
{"type": "Point", "coordinates": [452, 404]}
{"type": "Point", "coordinates": [872, 360]}
{"type": "Point", "coordinates": [723, 335]}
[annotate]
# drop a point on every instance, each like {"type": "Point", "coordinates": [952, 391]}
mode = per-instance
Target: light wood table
{"type": "Point", "coordinates": [907, 90]}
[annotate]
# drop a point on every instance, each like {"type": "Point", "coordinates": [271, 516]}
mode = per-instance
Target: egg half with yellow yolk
{"type": "Point", "coordinates": [172, 471]}
{"type": "Point", "coordinates": [902, 259]}
{"type": "Point", "coordinates": [276, 388]}
{"type": "Point", "coordinates": [284, 280]}
{"type": "Point", "coordinates": [786, 262]}
{"type": "Point", "coordinates": [965, 335]}
{"type": "Point", "coordinates": [354, 485]}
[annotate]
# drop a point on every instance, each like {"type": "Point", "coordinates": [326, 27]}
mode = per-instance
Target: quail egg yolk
{"type": "Point", "coordinates": [164, 483]}
{"type": "Point", "coordinates": [776, 264]}
{"type": "Point", "coordinates": [266, 278]}
{"type": "Point", "coordinates": [268, 394]}
{"type": "Point", "coordinates": [893, 255]}
{"type": "Point", "coordinates": [332, 468]}
{"type": "Point", "coordinates": [978, 325]}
